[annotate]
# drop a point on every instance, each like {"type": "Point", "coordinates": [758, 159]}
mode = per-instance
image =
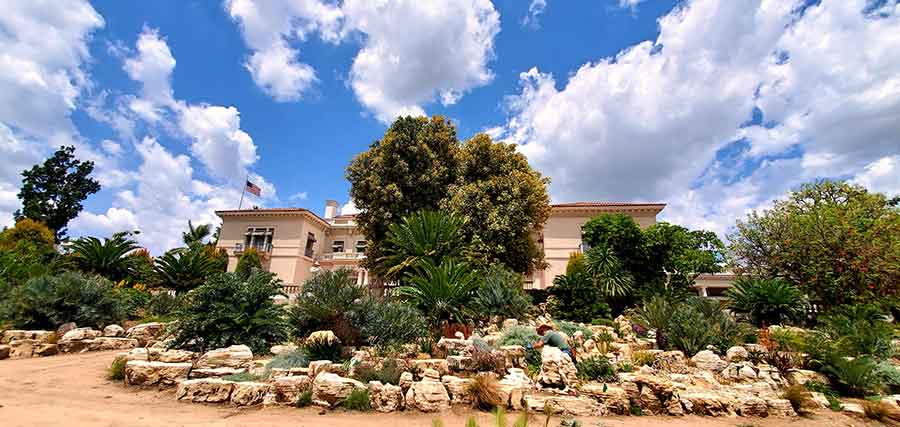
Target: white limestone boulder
{"type": "Point", "coordinates": [4, 351]}
{"type": "Point", "coordinates": [557, 369]}
{"type": "Point", "coordinates": [578, 406]}
{"type": "Point", "coordinates": [212, 390]}
{"type": "Point", "coordinates": [143, 373]}
{"type": "Point", "coordinates": [708, 360]}
{"type": "Point", "coordinates": [113, 331]}
{"type": "Point", "coordinates": [458, 389]}
{"type": "Point", "coordinates": [385, 397]}
{"type": "Point", "coordinates": [146, 333]}
{"type": "Point", "coordinates": [428, 396]}
{"type": "Point", "coordinates": [236, 356]}
{"type": "Point", "coordinates": [331, 389]}
{"type": "Point", "coordinates": [286, 390]}
{"type": "Point", "coordinates": [249, 393]}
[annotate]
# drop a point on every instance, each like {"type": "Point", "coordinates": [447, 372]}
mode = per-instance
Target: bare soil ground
{"type": "Point", "coordinates": [73, 390]}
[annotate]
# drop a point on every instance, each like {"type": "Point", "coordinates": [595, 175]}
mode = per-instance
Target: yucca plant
{"type": "Point", "coordinates": [766, 301]}
{"type": "Point", "coordinates": [422, 236]}
{"type": "Point", "coordinates": [442, 291]}
{"type": "Point", "coordinates": [607, 272]}
{"type": "Point", "coordinates": [107, 257]}
{"type": "Point", "coordinates": [183, 269]}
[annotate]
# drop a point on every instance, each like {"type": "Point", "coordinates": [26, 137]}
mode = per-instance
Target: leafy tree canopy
{"type": "Point", "coordinates": [663, 258]}
{"type": "Point", "coordinates": [420, 164]}
{"type": "Point", "coordinates": [53, 191]}
{"type": "Point", "coordinates": [836, 241]}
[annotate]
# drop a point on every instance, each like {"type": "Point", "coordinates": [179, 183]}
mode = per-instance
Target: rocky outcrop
{"type": "Point", "coordinates": [737, 354]}
{"type": "Point", "coordinates": [286, 390]}
{"type": "Point", "coordinates": [110, 343]}
{"type": "Point", "coordinates": [453, 346]}
{"type": "Point", "coordinates": [457, 388]}
{"type": "Point", "coordinates": [513, 388]}
{"type": "Point", "coordinates": [39, 336]}
{"type": "Point", "coordinates": [204, 390]}
{"type": "Point", "coordinates": [331, 389]}
{"type": "Point", "coordinates": [579, 406]}
{"type": "Point", "coordinates": [4, 351]}
{"type": "Point", "coordinates": [557, 369]}
{"type": "Point", "coordinates": [385, 397]}
{"type": "Point", "coordinates": [709, 361]}
{"type": "Point", "coordinates": [43, 350]}
{"type": "Point", "coordinates": [282, 349]}
{"type": "Point", "coordinates": [428, 396]}
{"type": "Point", "coordinates": [803, 376]}
{"type": "Point", "coordinates": [113, 331]}
{"type": "Point", "coordinates": [146, 333]}
{"type": "Point", "coordinates": [171, 356]}
{"type": "Point", "coordinates": [249, 393]}
{"type": "Point", "coordinates": [215, 372]}
{"type": "Point", "coordinates": [419, 366]}
{"type": "Point", "coordinates": [144, 373]}
{"type": "Point", "coordinates": [236, 356]}
{"type": "Point", "coordinates": [613, 397]}
{"type": "Point", "coordinates": [80, 334]}
{"type": "Point", "coordinates": [700, 402]}
{"type": "Point", "coordinates": [22, 348]}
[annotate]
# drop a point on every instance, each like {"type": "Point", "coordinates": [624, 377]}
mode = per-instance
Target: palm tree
{"type": "Point", "coordinates": [607, 272]}
{"type": "Point", "coordinates": [441, 291]}
{"type": "Point", "coordinates": [422, 236]}
{"type": "Point", "coordinates": [197, 234]}
{"type": "Point", "coordinates": [107, 258]}
{"type": "Point", "coordinates": [183, 269]}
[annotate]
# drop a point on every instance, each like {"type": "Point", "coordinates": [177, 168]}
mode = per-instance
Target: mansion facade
{"type": "Point", "coordinates": [295, 242]}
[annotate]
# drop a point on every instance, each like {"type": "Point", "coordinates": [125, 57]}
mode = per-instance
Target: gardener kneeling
{"type": "Point", "coordinates": [553, 339]}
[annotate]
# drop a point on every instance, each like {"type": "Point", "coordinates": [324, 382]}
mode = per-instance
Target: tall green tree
{"type": "Point", "coordinates": [683, 254]}
{"type": "Point", "coordinates": [503, 201]}
{"type": "Point", "coordinates": [836, 241]}
{"type": "Point", "coordinates": [420, 164]}
{"type": "Point", "coordinates": [183, 269]}
{"type": "Point", "coordinates": [52, 192]}
{"type": "Point", "coordinates": [409, 169]}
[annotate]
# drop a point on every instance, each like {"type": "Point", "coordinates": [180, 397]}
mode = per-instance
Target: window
{"type": "Point", "coordinates": [259, 239]}
{"type": "Point", "coordinates": [360, 246]}
{"type": "Point", "coordinates": [337, 246]}
{"type": "Point", "coordinates": [310, 245]}
{"type": "Point", "coordinates": [584, 246]}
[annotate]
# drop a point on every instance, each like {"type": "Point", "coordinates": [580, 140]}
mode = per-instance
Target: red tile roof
{"type": "Point", "coordinates": [603, 204]}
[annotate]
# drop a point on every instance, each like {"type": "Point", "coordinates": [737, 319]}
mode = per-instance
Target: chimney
{"type": "Point", "coordinates": [331, 209]}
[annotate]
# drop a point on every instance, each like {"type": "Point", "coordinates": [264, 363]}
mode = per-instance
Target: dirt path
{"type": "Point", "coordinates": [73, 390]}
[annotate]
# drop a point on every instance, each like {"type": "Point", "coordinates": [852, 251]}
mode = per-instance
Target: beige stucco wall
{"type": "Point", "coordinates": [561, 237]}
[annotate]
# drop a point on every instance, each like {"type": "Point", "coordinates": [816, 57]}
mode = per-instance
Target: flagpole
{"type": "Point", "coordinates": [243, 190]}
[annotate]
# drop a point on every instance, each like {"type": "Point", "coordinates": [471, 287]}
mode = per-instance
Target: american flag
{"type": "Point", "coordinates": [253, 188]}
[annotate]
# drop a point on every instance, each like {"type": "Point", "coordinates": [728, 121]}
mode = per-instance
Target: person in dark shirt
{"type": "Point", "coordinates": [553, 339]}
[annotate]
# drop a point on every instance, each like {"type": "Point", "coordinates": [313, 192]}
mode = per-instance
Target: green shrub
{"type": "Point", "coordinates": [358, 400]}
{"type": "Point", "coordinates": [596, 368]}
{"type": "Point", "coordinates": [643, 358]}
{"type": "Point", "coordinates": [766, 301]}
{"type": "Point", "coordinates": [501, 295]}
{"type": "Point", "coordinates": [48, 301]}
{"type": "Point", "coordinates": [248, 261]}
{"type": "Point", "coordinates": [489, 361]}
{"type": "Point", "coordinates": [228, 310]}
{"type": "Point", "coordinates": [304, 399]}
{"type": "Point", "coordinates": [519, 335]}
{"type": "Point", "coordinates": [856, 377]}
{"type": "Point", "coordinates": [134, 302]}
{"type": "Point", "coordinates": [323, 349]}
{"type": "Point", "coordinates": [390, 324]}
{"type": "Point", "coordinates": [330, 300]}
{"type": "Point", "coordinates": [690, 325]}
{"type": "Point", "coordinates": [242, 377]}
{"type": "Point", "coordinates": [859, 330]}
{"type": "Point", "coordinates": [388, 373]}
{"type": "Point", "coordinates": [116, 370]}
{"type": "Point", "coordinates": [164, 304]}
{"type": "Point", "coordinates": [442, 291]}
{"type": "Point", "coordinates": [570, 328]}
{"type": "Point", "coordinates": [833, 402]}
{"type": "Point", "coordinates": [293, 359]}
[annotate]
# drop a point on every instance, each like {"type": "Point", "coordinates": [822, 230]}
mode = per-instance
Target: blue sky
{"type": "Point", "coordinates": [715, 107]}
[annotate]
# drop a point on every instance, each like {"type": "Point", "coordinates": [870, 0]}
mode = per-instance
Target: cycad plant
{"type": "Point", "coordinates": [443, 292]}
{"type": "Point", "coordinates": [422, 236]}
{"type": "Point", "coordinates": [331, 300]}
{"type": "Point", "coordinates": [501, 295]}
{"type": "Point", "coordinates": [766, 301]}
{"type": "Point", "coordinates": [107, 257]}
{"type": "Point", "coordinates": [183, 269]}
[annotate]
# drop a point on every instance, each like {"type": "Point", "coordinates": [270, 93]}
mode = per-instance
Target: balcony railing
{"type": "Point", "coordinates": [343, 256]}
